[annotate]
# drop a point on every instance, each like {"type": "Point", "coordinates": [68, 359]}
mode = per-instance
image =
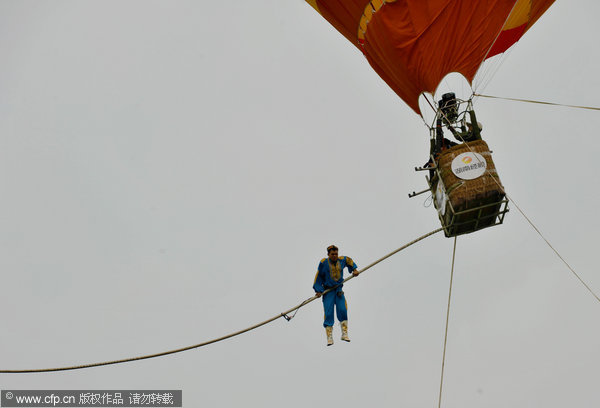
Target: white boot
{"type": "Point", "coordinates": [329, 331]}
{"type": "Point", "coordinates": [344, 325]}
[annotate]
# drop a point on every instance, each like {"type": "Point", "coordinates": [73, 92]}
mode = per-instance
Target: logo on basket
{"type": "Point", "coordinates": [469, 166]}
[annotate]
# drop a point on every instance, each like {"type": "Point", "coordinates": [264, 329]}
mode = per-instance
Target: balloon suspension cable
{"type": "Point", "coordinates": [432, 107]}
{"type": "Point", "coordinates": [484, 77]}
{"type": "Point", "coordinates": [430, 104]}
{"type": "Point", "coordinates": [255, 326]}
{"type": "Point", "coordinates": [508, 16]}
{"type": "Point", "coordinates": [538, 102]}
{"type": "Point", "coordinates": [536, 229]}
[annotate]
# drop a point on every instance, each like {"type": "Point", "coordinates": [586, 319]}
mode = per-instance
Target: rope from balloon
{"type": "Point", "coordinates": [538, 102]}
{"type": "Point", "coordinates": [447, 321]}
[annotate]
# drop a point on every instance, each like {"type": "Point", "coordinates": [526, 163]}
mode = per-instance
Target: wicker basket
{"type": "Point", "coordinates": [464, 195]}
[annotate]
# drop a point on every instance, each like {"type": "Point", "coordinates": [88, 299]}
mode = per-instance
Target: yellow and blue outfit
{"type": "Point", "coordinates": [330, 275]}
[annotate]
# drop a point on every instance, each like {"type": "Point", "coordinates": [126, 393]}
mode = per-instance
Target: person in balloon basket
{"type": "Point", "coordinates": [330, 276]}
{"type": "Point", "coordinates": [438, 145]}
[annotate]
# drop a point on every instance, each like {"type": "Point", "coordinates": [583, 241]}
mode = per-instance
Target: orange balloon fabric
{"type": "Point", "coordinates": [414, 44]}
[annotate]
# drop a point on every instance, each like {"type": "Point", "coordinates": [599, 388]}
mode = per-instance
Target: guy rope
{"type": "Point", "coordinates": [206, 343]}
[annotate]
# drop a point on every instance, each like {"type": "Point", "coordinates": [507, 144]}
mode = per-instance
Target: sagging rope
{"type": "Point", "coordinates": [538, 102]}
{"type": "Point", "coordinates": [179, 350]}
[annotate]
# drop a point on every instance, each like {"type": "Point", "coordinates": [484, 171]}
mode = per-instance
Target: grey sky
{"type": "Point", "coordinates": [173, 171]}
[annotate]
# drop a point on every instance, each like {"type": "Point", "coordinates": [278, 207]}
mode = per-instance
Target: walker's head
{"type": "Point", "coordinates": [449, 106]}
{"type": "Point", "coordinates": [332, 253]}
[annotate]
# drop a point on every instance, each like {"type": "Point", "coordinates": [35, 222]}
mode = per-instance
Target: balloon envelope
{"type": "Point", "coordinates": [413, 44]}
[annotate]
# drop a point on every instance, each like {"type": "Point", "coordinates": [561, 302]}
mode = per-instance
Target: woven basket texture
{"type": "Point", "coordinates": [464, 194]}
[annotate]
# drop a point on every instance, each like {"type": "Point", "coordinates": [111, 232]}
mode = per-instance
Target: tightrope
{"type": "Point", "coordinates": [206, 343]}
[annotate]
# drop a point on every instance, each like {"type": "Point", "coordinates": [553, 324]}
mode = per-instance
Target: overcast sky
{"type": "Point", "coordinates": [172, 171]}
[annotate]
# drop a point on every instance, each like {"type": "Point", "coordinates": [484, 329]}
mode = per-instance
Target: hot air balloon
{"type": "Point", "coordinates": [413, 45]}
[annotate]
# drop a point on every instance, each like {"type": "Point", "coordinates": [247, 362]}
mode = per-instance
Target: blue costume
{"type": "Point", "coordinates": [328, 276]}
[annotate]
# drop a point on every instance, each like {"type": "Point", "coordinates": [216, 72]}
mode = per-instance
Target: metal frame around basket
{"type": "Point", "coordinates": [451, 230]}
{"type": "Point", "coordinates": [475, 215]}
